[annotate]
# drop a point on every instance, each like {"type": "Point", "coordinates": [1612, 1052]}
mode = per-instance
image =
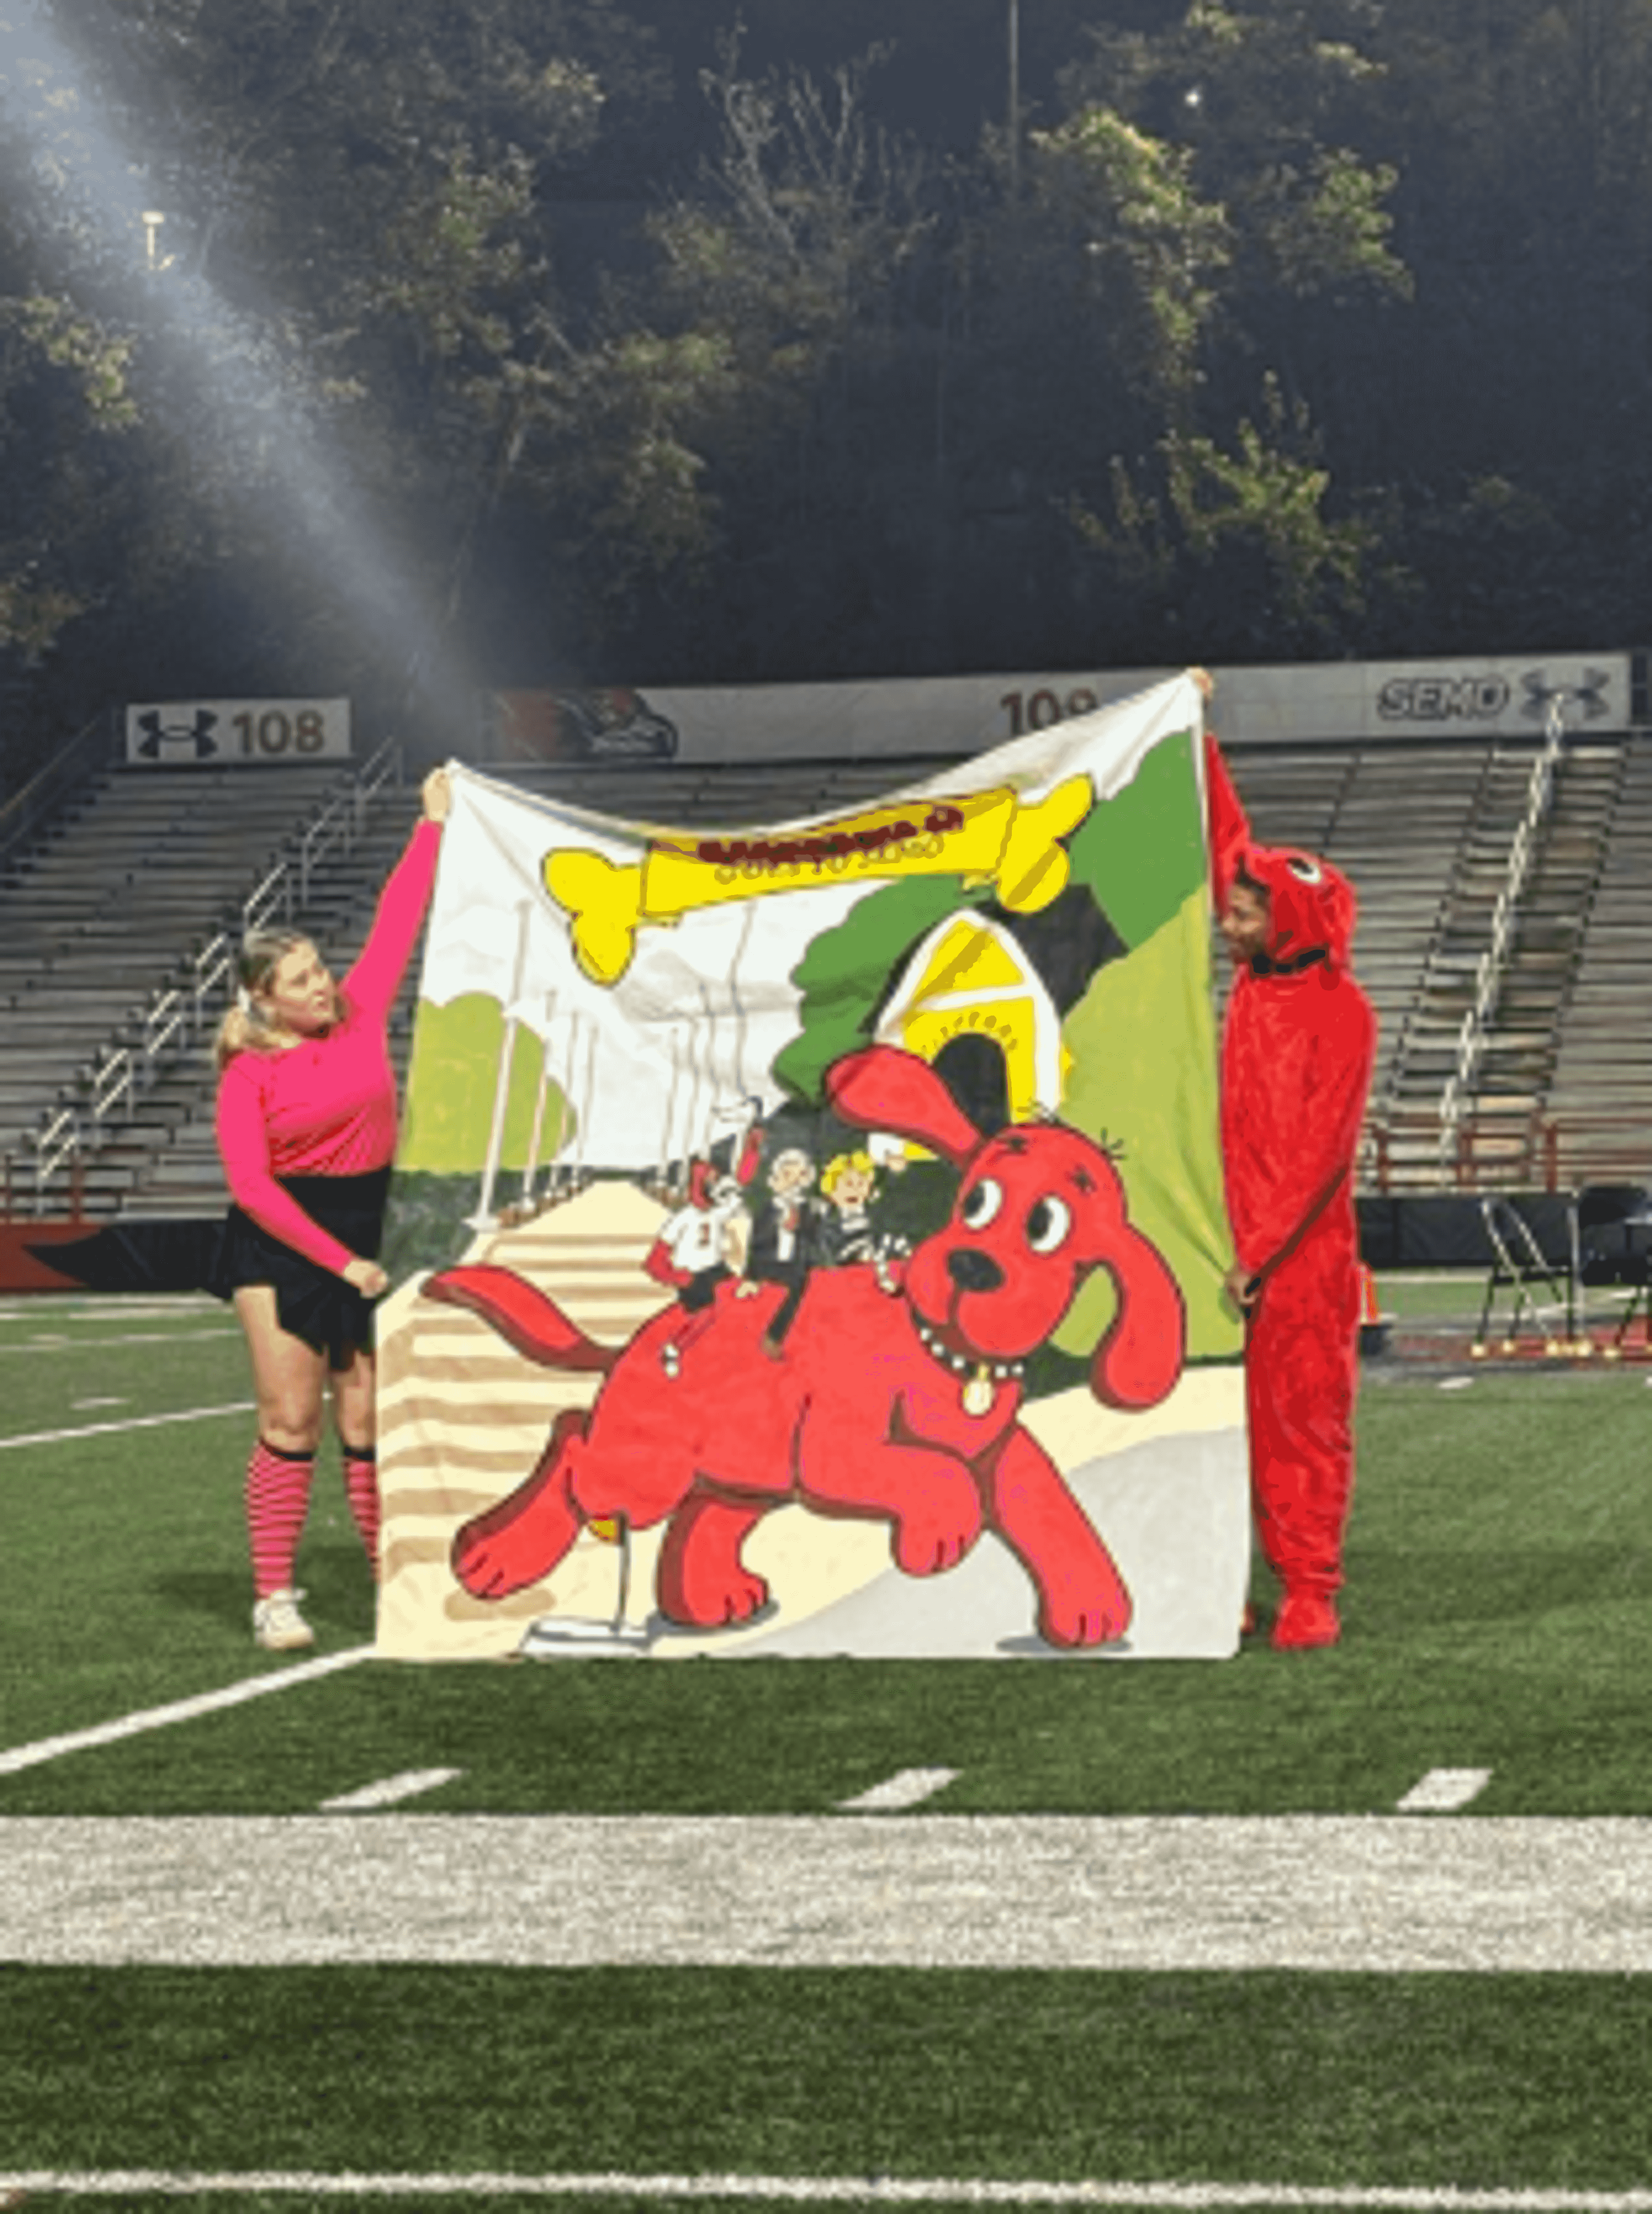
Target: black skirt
{"type": "Point", "coordinates": [209, 1254]}
{"type": "Point", "coordinates": [311, 1302]}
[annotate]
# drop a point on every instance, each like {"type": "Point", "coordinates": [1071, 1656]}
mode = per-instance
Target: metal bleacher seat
{"type": "Point", "coordinates": [92, 919]}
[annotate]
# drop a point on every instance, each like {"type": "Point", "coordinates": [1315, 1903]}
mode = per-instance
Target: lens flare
{"type": "Point", "coordinates": [89, 208]}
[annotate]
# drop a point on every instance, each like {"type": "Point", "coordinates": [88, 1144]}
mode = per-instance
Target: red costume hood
{"type": "Point", "coordinates": [1311, 904]}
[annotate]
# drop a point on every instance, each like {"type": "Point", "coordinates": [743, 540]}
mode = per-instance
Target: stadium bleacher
{"type": "Point", "coordinates": [148, 865]}
{"type": "Point", "coordinates": [105, 909]}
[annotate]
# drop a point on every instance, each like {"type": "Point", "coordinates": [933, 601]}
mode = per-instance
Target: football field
{"type": "Point", "coordinates": [1365, 1928]}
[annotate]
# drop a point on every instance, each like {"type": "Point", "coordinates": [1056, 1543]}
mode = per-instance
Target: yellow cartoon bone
{"type": "Point", "coordinates": [1035, 868]}
{"type": "Point", "coordinates": [603, 900]}
{"type": "Point", "coordinates": [987, 838]}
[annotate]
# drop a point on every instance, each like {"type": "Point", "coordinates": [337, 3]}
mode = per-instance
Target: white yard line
{"type": "Point", "coordinates": [1386, 1894]}
{"type": "Point", "coordinates": [132, 1422]}
{"type": "Point", "coordinates": [1443, 1789]}
{"type": "Point", "coordinates": [908, 1787]}
{"type": "Point", "coordinates": [808, 2190]}
{"type": "Point", "coordinates": [180, 1710]}
{"type": "Point", "coordinates": [394, 1788]}
{"type": "Point", "coordinates": [134, 1337]}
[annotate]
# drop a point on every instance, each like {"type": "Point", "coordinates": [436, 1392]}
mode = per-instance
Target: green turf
{"type": "Point", "coordinates": [203, 1364]}
{"type": "Point", "coordinates": [1324, 2079]}
{"type": "Point", "coordinates": [1496, 1617]}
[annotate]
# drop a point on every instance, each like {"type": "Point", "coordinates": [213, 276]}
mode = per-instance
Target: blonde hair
{"type": "Point", "coordinates": [245, 1028]}
{"type": "Point", "coordinates": [838, 1167]}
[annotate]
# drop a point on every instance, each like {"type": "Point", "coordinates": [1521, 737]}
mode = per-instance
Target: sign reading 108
{"type": "Point", "coordinates": [281, 730]}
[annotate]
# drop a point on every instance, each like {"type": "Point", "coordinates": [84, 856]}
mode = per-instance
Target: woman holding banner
{"type": "Point", "coordinates": [306, 1130]}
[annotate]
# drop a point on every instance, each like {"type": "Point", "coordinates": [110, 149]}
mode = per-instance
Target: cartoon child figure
{"type": "Point", "coordinates": [848, 1183]}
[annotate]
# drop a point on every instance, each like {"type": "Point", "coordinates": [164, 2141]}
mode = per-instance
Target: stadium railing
{"type": "Point", "coordinates": [123, 1069]}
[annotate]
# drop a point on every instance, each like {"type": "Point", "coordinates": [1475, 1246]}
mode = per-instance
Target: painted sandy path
{"type": "Point", "coordinates": [1381, 1893]}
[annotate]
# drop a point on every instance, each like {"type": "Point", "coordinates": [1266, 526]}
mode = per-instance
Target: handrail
{"type": "Point", "coordinates": [177, 1012]}
{"type": "Point", "coordinates": [1494, 960]}
{"type": "Point", "coordinates": [22, 815]}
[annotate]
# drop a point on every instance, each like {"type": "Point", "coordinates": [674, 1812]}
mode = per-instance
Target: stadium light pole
{"type": "Point", "coordinates": [1015, 118]}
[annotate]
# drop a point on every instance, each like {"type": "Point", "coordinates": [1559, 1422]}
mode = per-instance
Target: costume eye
{"type": "Point", "coordinates": [1048, 1224]}
{"type": "Point", "coordinates": [981, 1204]}
{"type": "Point", "coordinates": [1305, 871]}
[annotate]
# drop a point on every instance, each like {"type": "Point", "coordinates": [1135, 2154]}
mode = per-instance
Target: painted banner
{"type": "Point", "coordinates": [809, 1239]}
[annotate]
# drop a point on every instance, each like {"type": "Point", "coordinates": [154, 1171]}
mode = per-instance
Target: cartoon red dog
{"type": "Point", "coordinates": [897, 1394]}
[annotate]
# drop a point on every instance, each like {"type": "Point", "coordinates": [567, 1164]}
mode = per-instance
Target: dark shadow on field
{"type": "Point", "coordinates": [337, 1584]}
{"type": "Point", "coordinates": [1428, 1588]}
{"type": "Point", "coordinates": [208, 1592]}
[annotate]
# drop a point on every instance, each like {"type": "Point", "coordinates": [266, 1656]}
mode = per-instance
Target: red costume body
{"type": "Point", "coordinates": [1297, 1052]}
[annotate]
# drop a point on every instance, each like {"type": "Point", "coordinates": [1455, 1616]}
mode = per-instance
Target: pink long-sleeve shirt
{"type": "Point", "coordinates": [328, 1106]}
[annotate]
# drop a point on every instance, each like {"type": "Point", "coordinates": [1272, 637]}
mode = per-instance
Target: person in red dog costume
{"type": "Point", "coordinates": [1297, 1056]}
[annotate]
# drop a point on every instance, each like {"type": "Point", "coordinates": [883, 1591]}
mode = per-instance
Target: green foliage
{"type": "Point", "coordinates": [65, 399]}
{"type": "Point", "coordinates": [1259, 507]}
{"type": "Point", "coordinates": [835, 401]}
{"type": "Point", "coordinates": [97, 358]}
{"type": "Point", "coordinates": [1328, 231]}
{"type": "Point", "coordinates": [1152, 249]}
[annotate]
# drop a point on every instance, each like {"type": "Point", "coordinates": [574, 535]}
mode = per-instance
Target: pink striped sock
{"type": "Point", "coordinates": [362, 1490]}
{"type": "Point", "coordinates": [277, 1495]}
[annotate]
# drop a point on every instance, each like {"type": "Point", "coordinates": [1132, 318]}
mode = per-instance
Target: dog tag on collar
{"type": "Point", "coordinates": [980, 1393]}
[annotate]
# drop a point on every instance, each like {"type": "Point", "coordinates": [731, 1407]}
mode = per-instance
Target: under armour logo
{"type": "Point", "coordinates": [1589, 694]}
{"type": "Point", "coordinates": [193, 740]}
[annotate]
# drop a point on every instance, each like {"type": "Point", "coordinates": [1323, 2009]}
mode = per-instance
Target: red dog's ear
{"type": "Point", "coordinates": [1137, 1362]}
{"type": "Point", "coordinates": [884, 1089]}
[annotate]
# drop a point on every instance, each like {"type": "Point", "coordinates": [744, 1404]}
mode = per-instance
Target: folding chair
{"type": "Point", "coordinates": [1519, 1262]}
{"type": "Point", "coordinates": [1613, 1236]}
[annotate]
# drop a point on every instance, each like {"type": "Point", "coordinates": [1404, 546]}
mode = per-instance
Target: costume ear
{"type": "Point", "coordinates": [883, 1088]}
{"type": "Point", "coordinates": [1137, 1362]}
{"type": "Point", "coordinates": [1226, 824]}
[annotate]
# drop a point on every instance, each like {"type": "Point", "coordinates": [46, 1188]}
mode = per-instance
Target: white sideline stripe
{"type": "Point", "coordinates": [133, 1422]}
{"type": "Point", "coordinates": [1383, 1894]}
{"type": "Point", "coordinates": [908, 1787]}
{"type": "Point", "coordinates": [142, 1338]}
{"type": "Point", "coordinates": [408, 1785]}
{"type": "Point", "coordinates": [1443, 1789]}
{"type": "Point", "coordinates": [960, 2191]}
{"type": "Point", "coordinates": [180, 1710]}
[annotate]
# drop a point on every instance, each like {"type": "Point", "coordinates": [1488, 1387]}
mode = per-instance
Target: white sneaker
{"type": "Point", "coordinates": [278, 1625]}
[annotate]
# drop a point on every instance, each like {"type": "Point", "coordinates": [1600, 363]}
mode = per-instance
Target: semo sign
{"type": "Point", "coordinates": [1487, 695]}
{"type": "Point", "coordinates": [1443, 699]}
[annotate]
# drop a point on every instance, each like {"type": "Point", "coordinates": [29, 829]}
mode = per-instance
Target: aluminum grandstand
{"type": "Point", "coordinates": [1496, 819]}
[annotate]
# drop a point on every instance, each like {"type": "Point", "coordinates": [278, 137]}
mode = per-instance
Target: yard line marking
{"type": "Point", "coordinates": [132, 1337]}
{"type": "Point", "coordinates": [180, 1710]}
{"type": "Point", "coordinates": [85, 1406]}
{"type": "Point", "coordinates": [408, 1785]}
{"type": "Point", "coordinates": [1443, 1789]}
{"type": "Point", "coordinates": [805, 2190]}
{"type": "Point", "coordinates": [906, 1788]}
{"type": "Point", "coordinates": [1456, 1893]}
{"type": "Point", "coordinates": [134, 1422]}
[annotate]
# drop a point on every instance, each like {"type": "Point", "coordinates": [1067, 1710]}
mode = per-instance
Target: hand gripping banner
{"type": "Point", "coordinates": [808, 1239]}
